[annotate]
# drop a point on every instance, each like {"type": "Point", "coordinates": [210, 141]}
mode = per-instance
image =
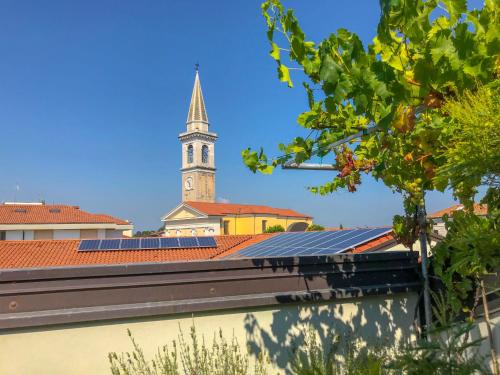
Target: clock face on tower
{"type": "Point", "coordinates": [188, 184]}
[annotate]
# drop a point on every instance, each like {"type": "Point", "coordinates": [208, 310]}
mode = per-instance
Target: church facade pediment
{"type": "Point", "coordinates": [183, 212]}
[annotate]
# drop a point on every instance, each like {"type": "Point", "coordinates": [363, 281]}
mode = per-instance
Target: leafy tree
{"type": "Point", "coordinates": [473, 151]}
{"type": "Point", "coordinates": [417, 108]}
{"type": "Point", "coordinates": [275, 229]}
{"type": "Point", "coordinates": [315, 227]}
{"type": "Point", "coordinates": [390, 92]}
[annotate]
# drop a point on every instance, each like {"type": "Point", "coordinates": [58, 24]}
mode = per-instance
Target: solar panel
{"type": "Point", "coordinates": [169, 242]}
{"type": "Point", "coordinates": [86, 245]}
{"type": "Point", "coordinates": [188, 242]}
{"type": "Point", "coordinates": [110, 244]}
{"type": "Point", "coordinates": [150, 243]}
{"type": "Point", "coordinates": [130, 243]}
{"type": "Point", "coordinates": [311, 243]}
{"type": "Point", "coordinates": [207, 242]}
{"type": "Point", "coordinates": [146, 243]}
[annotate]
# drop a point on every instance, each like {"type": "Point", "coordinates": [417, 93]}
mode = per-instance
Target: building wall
{"type": "Point", "coordinates": [111, 233]}
{"type": "Point", "coordinates": [203, 188]}
{"type": "Point", "coordinates": [185, 226]}
{"type": "Point", "coordinates": [82, 349]}
{"type": "Point", "coordinates": [18, 235]}
{"type": "Point", "coordinates": [439, 227]}
{"type": "Point", "coordinates": [44, 235]}
{"type": "Point", "coordinates": [61, 234]}
{"type": "Point", "coordinates": [241, 224]}
{"type": "Point", "coordinates": [480, 331]}
{"type": "Point", "coordinates": [88, 233]}
{"type": "Point", "coordinates": [250, 224]}
{"type": "Point", "coordinates": [101, 233]}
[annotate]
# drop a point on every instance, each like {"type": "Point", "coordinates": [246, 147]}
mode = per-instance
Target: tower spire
{"type": "Point", "coordinates": [197, 111]}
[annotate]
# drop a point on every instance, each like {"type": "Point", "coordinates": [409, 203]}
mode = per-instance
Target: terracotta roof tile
{"type": "Point", "coordinates": [479, 209]}
{"type": "Point", "coordinates": [52, 214]}
{"type": "Point", "coordinates": [378, 243]}
{"type": "Point", "coordinates": [241, 209]}
{"type": "Point", "coordinates": [59, 253]}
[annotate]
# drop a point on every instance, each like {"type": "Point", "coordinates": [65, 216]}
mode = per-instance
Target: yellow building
{"type": "Point", "coordinates": [198, 214]}
{"type": "Point", "coordinates": [206, 218]}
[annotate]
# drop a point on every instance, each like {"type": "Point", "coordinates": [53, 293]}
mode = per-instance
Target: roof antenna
{"type": "Point", "coordinates": [197, 66]}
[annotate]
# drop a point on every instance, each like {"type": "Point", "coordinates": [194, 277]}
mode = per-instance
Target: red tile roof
{"type": "Point", "coordinates": [63, 253]}
{"type": "Point", "coordinates": [379, 243]}
{"type": "Point", "coordinates": [52, 214]}
{"type": "Point", "coordinates": [479, 209]}
{"type": "Point", "coordinates": [59, 253]}
{"type": "Point", "coordinates": [220, 209]}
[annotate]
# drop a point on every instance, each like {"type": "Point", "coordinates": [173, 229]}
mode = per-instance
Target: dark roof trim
{"type": "Point", "coordinates": [38, 297]}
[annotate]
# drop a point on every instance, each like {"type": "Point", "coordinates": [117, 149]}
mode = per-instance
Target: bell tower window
{"type": "Point", "coordinates": [190, 154]}
{"type": "Point", "coordinates": [204, 154]}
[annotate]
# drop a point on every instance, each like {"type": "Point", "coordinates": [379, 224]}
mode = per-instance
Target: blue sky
{"type": "Point", "coordinates": [94, 93]}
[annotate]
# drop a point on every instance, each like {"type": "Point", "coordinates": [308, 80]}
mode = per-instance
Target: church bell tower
{"type": "Point", "coordinates": [198, 162]}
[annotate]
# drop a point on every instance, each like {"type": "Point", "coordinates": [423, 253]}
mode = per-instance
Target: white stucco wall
{"type": "Point", "coordinates": [62, 234]}
{"type": "Point", "coordinates": [111, 233]}
{"type": "Point", "coordinates": [101, 233]}
{"type": "Point", "coordinates": [83, 348]}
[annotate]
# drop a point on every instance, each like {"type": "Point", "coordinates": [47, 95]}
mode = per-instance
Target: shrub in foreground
{"type": "Point", "coordinates": [191, 357]}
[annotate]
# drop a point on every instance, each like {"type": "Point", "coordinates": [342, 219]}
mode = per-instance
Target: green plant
{"type": "Point", "coordinates": [387, 96]}
{"type": "Point", "coordinates": [450, 352]}
{"type": "Point", "coordinates": [315, 227]}
{"type": "Point", "coordinates": [472, 152]}
{"type": "Point", "coordinates": [274, 229]}
{"type": "Point", "coordinates": [470, 250]}
{"type": "Point", "coordinates": [341, 355]}
{"type": "Point", "coordinates": [222, 357]}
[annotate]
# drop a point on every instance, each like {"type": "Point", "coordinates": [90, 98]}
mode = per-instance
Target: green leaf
{"type": "Point", "coordinates": [298, 48]}
{"type": "Point", "coordinates": [330, 70]}
{"type": "Point", "coordinates": [284, 75]}
{"type": "Point", "coordinates": [444, 47]}
{"type": "Point", "coordinates": [455, 8]}
{"type": "Point", "coordinates": [310, 95]}
{"type": "Point", "coordinates": [268, 169]}
{"type": "Point", "coordinates": [306, 119]}
{"type": "Point", "coordinates": [275, 51]}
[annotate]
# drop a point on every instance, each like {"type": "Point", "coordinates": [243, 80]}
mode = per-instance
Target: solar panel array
{"type": "Point", "coordinates": [291, 244]}
{"type": "Point", "coordinates": [147, 243]}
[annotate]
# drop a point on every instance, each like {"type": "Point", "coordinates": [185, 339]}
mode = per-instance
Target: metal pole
{"type": "Point", "coordinates": [423, 256]}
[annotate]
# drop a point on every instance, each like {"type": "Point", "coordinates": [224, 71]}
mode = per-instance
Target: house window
{"type": "Point", "coordinates": [2, 235]}
{"type": "Point", "coordinates": [204, 154]}
{"type": "Point", "coordinates": [264, 225]}
{"type": "Point", "coordinates": [190, 153]}
{"type": "Point", "coordinates": [226, 226]}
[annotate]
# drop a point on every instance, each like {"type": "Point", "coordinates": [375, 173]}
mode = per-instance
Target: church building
{"type": "Point", "coordinates": [199, 214]}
